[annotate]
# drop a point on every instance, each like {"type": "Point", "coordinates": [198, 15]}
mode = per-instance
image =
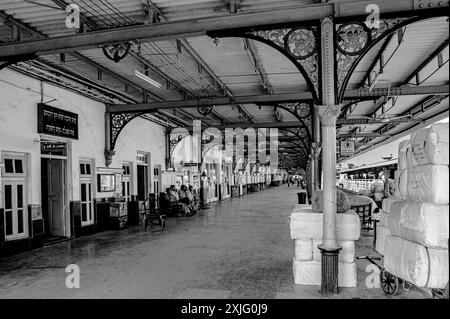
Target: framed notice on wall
{"type": "Point", "coordinates": [57, 122]}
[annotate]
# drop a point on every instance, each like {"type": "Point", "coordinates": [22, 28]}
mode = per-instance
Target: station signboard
{"type": "Point", "coordinates": [347, 148]}
{"type": "Point", "coordinates": [57, 122]}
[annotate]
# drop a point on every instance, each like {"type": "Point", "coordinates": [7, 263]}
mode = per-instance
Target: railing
{"type": "Point", "coordinates": [358, 185]}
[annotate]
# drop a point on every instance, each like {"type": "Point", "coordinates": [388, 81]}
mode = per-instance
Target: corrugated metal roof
{"type": "Point", "coordinates": [230, 62]}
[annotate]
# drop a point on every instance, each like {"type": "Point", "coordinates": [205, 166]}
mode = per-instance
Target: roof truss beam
{"type": "Point", "coordinates": [362, 94]}
{"type": "Point", "coordinates": [195, 27]}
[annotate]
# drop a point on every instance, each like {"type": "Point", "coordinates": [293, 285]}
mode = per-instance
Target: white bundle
{"type": "Point", "coordinates": [380, 243]}
{"type": "Point", "coordinates": [346, 254]}
{"type": "Point", "coordinates": [423, 267]}
{"type": "Point", "coordinates": [303, 249]}
{"type": "Point", "coordinates": [428, 183]}
{"type": "Point", "coordinates": [307, 225]}
{"type": "Point", "coordinates": [387, 203]}
{"type": "Point", "coordinates": [384, 219]}
{"type": "Point", "coordinates": [431, 145]}
{"type": "Point", "coordinates": [398, 209]}
{"type": "Point", "coordinates": [302, 207]}
{"type": "Point", "coordinates": [401, 183]}
{"type": "Point", "coordinates": [309, 273]}
{"type": "Point", "coordinates": [402, 154]}
{"type": "Point", "coordinates": [423, 223]}
{"type": "Point", "coordinates": [411, 161]}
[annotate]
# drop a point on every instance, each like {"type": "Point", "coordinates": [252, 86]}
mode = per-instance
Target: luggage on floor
{"type": "Point", "coordinates": [422, 266]}
{"type": "Point", "coordinates": [310, 225]}
{"type": "Point", "coordinates": [401, 183]}
{"type": "Point", "coordinates": [382, 234]}
{"type": "Point", "coordinates": [402, 154]}
{"type": "Point", "coordinates": [309, 273]}
{"type": "Point", "coordinates": [428, 183]}
{"type": "Point", "coordinates": [423, 223]}
{"type": "Point", "coordinates": [303, 249]}
{"type": "Point", "coordinates": [431, 145]}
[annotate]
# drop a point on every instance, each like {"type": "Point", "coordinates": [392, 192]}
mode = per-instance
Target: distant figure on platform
{"type": "Point", "coordinates": [303, 184]}
{"type": "Point", "coordinates": [192, 199]}
{"type": "Point", "coordinates": [389, 184]}
{"type": "Point", "coordinates": [184, 201]}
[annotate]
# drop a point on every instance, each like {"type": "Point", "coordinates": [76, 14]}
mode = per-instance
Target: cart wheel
{"type": "Point", "coordinates": [438, 293]}
{"type": "Point", "coordinates": [389, 283]}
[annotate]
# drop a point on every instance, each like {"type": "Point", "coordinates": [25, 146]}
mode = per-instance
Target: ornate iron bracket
{"type": "Point", "coordinates": [354, 39]}
{"type": "Point", "coordinates": [299, 43]}
{"type": "Point", "coordinates": [117, 123]}
{"type": "Point", "coordinates": [205, 110]}
{"type": "Point", "coordinates": [117, 52]}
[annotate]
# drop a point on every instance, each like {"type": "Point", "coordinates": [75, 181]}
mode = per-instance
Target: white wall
{"type": "Point", "coordinates": [19, 96]}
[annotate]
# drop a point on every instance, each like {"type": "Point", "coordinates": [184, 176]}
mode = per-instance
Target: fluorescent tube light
{"type": "Point", "coordinates": [144, 77]}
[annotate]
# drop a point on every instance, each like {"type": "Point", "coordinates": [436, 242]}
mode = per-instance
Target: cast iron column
{"type": "Point", "coordinates": [109, 152]}
{"type": "Point", "coordinates": [316, 143]}
{"type": "Point", "coordinates": [328, 113]}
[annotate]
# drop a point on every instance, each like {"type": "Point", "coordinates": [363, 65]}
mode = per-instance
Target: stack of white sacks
{"type": "Point", "coordinates": [413, 231]}
{"type": "Point", "coordinates": [306, 230]}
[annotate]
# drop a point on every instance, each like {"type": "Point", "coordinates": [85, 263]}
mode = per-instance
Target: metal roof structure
{"type": "Point", "coordinates": [404, 75]}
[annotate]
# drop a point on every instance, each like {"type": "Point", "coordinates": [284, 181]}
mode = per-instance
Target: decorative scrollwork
{"type": "Point", "coordinates": [117, 52]}
{"type": "Point", "coordinates": [118, 122]}
{"type": "Point", "coordinates": [302, 110]}
{"type": "Point", "coordinates": [301, 43]}
{"type": "Point", "coordinates": [175, 137]}
{"type": "Point", "coordinates": [352, 38]}
{"type": "Point", "coordinates": [205, 110]}
{"type": "Point", "coordinates": [276, 36]}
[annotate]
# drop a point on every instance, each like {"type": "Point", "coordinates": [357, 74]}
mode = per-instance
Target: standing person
{"type": "Point", "coordinates": [389, 184]}
{"type": "Point", "coordinates": [289, 181]}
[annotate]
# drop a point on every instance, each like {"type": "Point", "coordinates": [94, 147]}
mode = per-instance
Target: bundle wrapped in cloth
{"type": "Point", "coordinates": [423, 223]}
{"type": "Point", "coordinates": [310, 272]}
{"type": "Point", "coordinates": [307, 250]}
{"type": "Point", "coordinates": [387, 203]}
{"type": "Point", "coordinates": [307, 230]}
{"type": "Point", "coordinates": [382, 234]}
{"type": "Point", "coordinates": [401, 183]}
{"type": "Point", "coordinates": [428, 183]}
{"type": "Point", "coordinates": [431, 145]}
{"type": "Point", "coordinates": [422, 266]}
{"type": "Point", "coordinates": [309, 225]}
{"type": "Point", "coordinates": [403, 154]}
{"type": "Point", "coordinates": [342, 202]}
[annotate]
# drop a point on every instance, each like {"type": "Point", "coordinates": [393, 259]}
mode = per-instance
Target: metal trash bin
{"type": "Point", "coordinates": [301, 198]}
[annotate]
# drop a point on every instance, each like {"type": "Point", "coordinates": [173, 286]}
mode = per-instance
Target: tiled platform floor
{"type": "Point", "coordinates": [239, 248]}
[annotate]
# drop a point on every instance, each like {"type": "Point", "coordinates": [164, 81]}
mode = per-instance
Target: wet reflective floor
{"type": "Point", "coordinates": [239, 248]}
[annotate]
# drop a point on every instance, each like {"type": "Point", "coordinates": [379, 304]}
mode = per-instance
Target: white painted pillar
{"type": "Point", "coordinates": [328, 116]}
{"type": "Point", "coordinates": [328, 113]}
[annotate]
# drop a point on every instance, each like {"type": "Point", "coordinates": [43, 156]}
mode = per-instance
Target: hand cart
{"type": "Point", "coordinates": [391, 284]}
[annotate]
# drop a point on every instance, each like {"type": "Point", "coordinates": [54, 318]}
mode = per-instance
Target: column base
{"type": "Point", "coordinates": [329, 284]}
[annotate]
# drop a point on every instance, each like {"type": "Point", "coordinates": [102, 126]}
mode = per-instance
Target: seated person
{"type": "Point", "coordinates": [175, 197]}
{"type": "Point", "coordinates": [192, 198]}
{"type": "Point", "coordinates": [183, 195]}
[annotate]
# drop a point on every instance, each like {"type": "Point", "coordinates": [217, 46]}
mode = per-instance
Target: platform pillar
{"type": "Point", "coordinates": [328, 113]}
